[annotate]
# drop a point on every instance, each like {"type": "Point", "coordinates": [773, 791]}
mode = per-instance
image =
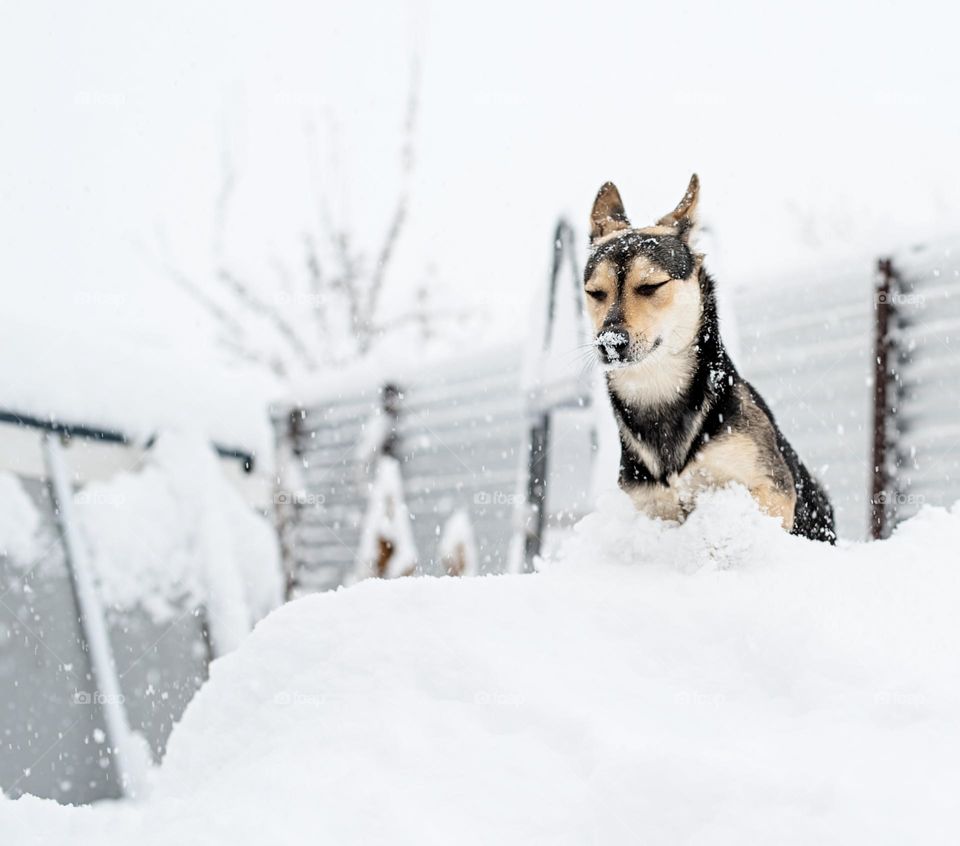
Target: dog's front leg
{"type": "Point", "coordinates": [776, 502]}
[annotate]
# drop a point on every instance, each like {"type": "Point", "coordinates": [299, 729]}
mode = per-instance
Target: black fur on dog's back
{"type": "Point", "coordinates": [813, 517]}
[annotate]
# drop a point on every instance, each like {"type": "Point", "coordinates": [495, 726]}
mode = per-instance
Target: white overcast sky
{"type": "Point", "coordinates": [818, 131]}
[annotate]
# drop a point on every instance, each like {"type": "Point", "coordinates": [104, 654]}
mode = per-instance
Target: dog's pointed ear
{"type": "Point", "coordinates": [608, 214]}
{"type": "Point", "coordinates": [684, 216]}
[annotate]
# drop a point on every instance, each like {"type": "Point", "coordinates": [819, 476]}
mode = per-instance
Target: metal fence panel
{"type": "Point", "coordinates": [54, 741]}
{"type": "Point", "coordinates": [461, 441]}
{"type": "Point", "coordinates": [52, 732]}
{"type": "Point", "coordinates": [929, 424]}
{"type": "Point", "coordinates": [807, 347]}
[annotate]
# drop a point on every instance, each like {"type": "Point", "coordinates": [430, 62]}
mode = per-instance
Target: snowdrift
{"type": "Point", "coordinates": [716, 682]}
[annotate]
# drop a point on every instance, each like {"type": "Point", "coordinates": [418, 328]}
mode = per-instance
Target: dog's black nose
{"type": "Point", "coordinates": [612, 344]}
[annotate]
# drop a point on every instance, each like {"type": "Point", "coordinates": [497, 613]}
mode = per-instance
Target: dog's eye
{"type": "Point", "coordinates": [648, 290]}
{"type": "Point", "coordinates": [599, 296]}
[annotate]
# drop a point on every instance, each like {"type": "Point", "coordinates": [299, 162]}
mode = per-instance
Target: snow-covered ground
{"type": "Point", "coordinates": [717, 682]}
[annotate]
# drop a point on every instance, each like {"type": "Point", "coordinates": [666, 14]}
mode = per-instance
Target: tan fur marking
{"type": "Point", "coordinates": [603, 278]}
{"type": "Point", "coordinates": [643, 315]}
{"type": "Point", "coordinates": [777, 503]}
{"type": "Point", "coordinates": [672, 314]}
{"type": "Point", "coordinates": [734, 457]}
{"type": "Point", "coordinates": [608, 214]}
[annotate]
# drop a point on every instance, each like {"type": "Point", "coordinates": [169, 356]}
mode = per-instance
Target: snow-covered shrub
{"type": "Point", "coordinates": [387, 548]}
{"type": "Point", "coordinates": [458, 548]}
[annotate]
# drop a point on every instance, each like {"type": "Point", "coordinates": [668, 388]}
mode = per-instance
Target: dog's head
{"type": "Point", "coordinates": [641, 285]}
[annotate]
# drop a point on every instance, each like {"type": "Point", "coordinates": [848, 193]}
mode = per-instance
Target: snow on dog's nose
{"type": "Point", "coordinates": [612, 344]}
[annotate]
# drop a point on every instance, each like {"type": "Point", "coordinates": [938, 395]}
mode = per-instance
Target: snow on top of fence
{"type": "Point", "coordinates": [403, 366]}
{"type": "Point", "coordinates": [52, 372]}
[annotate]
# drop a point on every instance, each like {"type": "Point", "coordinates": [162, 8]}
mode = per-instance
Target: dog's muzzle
{"type": "Point", "coordinates": [612, 346]}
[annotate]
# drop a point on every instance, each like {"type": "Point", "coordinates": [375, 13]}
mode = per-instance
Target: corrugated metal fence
{"type": "Point", "coordinates": [875, 416]}
{"type": "Point", "coordinates": [924, 442]}
{"type": "Point", "coordinates": [807, 346]}
{"type": "Point", "coordinates": [460, 436]}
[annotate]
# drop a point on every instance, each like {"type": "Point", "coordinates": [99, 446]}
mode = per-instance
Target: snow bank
{"type": "Point", "coordinates": [175, 535]}
{"type": "Point", "coordinates": [716, 682]}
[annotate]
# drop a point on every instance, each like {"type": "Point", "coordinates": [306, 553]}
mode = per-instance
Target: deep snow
{"type": "Point", "coordinates": [717, 682]}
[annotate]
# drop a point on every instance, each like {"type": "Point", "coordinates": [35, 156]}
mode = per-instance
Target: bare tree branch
{"type": "Point", "coordinates": [242, 352]}
{"type": "Point", "coordinates": [195, 291]}
{"type": "Point", "coordinates": [269, 312]}
{"type": "Point", "coordinates": [353, 279]}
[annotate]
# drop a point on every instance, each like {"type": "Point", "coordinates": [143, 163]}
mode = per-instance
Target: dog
{"type": "Point", "coordinates": [687, 419]}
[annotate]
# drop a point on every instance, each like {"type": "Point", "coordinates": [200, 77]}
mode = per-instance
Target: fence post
{"type": "Point", "coordinates": [883, 485]}
{"type": "Point", "coordinates": [391, 399]}
{"type": "Point", "coordinates": [536, 490]}
{"type": "Point", "coordinates": [289, 455]}
{"type": "Point", "coordinates": [542, 403]}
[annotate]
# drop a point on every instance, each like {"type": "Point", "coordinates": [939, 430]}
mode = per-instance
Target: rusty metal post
{"type": "Point", "coordinates": [883, 482]}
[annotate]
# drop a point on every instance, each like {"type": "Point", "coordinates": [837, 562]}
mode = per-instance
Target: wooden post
{"type": "Point", "coordinates": [882, 488]}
